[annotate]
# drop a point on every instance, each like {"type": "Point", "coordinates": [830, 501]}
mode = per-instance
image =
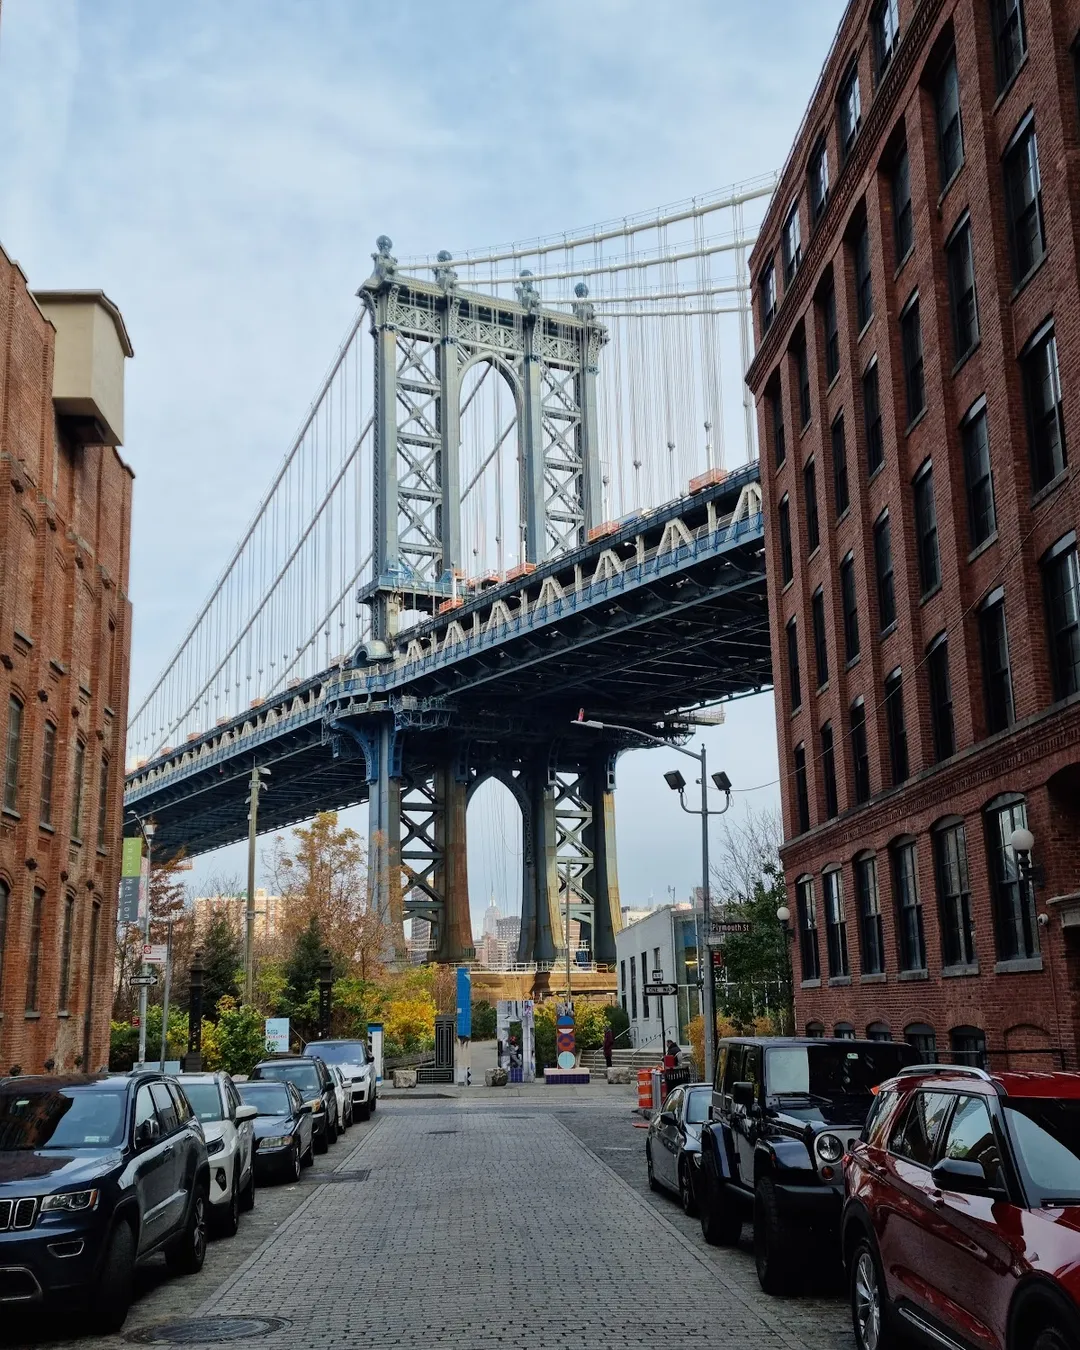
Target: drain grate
{"type": "Point", "coordinates": [206, 1330]}
{"type": "Point", "coordinates": [442, 1131]}
{"type": "Point", "coordinates": [320, 1177]}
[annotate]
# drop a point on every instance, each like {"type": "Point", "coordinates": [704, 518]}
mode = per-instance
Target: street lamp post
{"type": "Point", "coordinates": [257, 785]}
{"type": "Point", "coordinates": [677, 783]}
{"type": "Point", "coordinates": [326, 986]}
{"type": "Point", "coordinates": [147, 829]}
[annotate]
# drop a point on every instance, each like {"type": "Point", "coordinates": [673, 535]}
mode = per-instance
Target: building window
{"type": "Point", "coordinates": [13, 755]}
{"type": "Point", "coordinates": [633, 989]}
{"type": "Point", "coordinates": [767, 295]}
{"type": "Point", "coordinates": [802, 794]}
{"type": "Point", "coordinates": [1042, 393]}
{"type": "Point", "coordinates": [872, 933]}
{"type": "Point", "coordinates": [808, 943]}
{"type": "Point", "coordinates": [875, 443]}
{"type": "Point", "coordinates": [997, 678]}
{"type": "Point", "coordinates": [978, 476]}
{"type": "Point", "coordinates": [926, 529]}
{"type": "Point", "coordinates": [860, 759]}
{"type": "Point", "coordinates": [942, 728]}
{"type": "Point", "coordinates": [779, 441]}
{"type": "Point", "coordinates": [815, 1030]}
{"type": "Point", "coordinates": [839, 465]}
{"type": "Point", "coordinates": [924, 1040]}
{"type": "Point", "coordinates": [909, 919]}
{"type": "Point", "coordinates": [851, 608]}
{"type": "Point", "coordinates": [835, 924]}
{"type": "Point", "coordinates": [878, 1031]}
{"type": "Point", "coordinates": [832, 334]}
{"type": "Point", "coordinates": [48, 772]}
{"type": "Point", "coordinates": [844, 1031]}
{"type": "Point", "coordinates": [813, 527]}
{"type": "Point", "coordinates": [783, 521]}
{"type": "Point", "coordinates": [950, 133]}
{"type": "Point", "coordinates": [819, 181]}
{"type": "Point", "coordinates": [885, 34]}
{"type": "Point", "coordinates": [911, 341]}
{"type": "Point", "coordinates": [33, 956]}
{"type": "Point", "coordinates": [794, 680]}
{"type": "Point", "coordinates": [848, 112]}
{"type": "Point", "coordinates": [821, 652]}
{"type": "Point", "coordinates": [644, 982]}
{"type": "Point", "coordinates": [894, 721]}
{"type": "Point", "coordinates": [1061, 586]}
{"type": "Point", "coordinates": [864, 282]}
{"type": "Point", "coordinates": [4, 896]}
{"type": "Point", "coordinates": [79, 777]}
{"type": "Point", "coordinates": [1015, 926]}
{"type": "Point", "coordinates": [954, 894]}
{"type": "Point", "coordinates": [91, 979]}
{"type": "Point", "coordinates": [903, 221]}
{"type": "Point", "coordinates": [622, 983]}
{"type": "Point", "coordinates": [791, 244]}
{"type": "Point", "coordinates": [802, 364]}
{"type": "Point", "coordinates": [1023, 200]}
{"type": "Point", "coordinates": [65, 953]}
{"type": "Point", "coordinates": [967, 1045]}
{"type": "Point", "coordinates": [1010, 38]}
{"type": "Point", "coordinates": [103, 805]}
{"type": "Point", "coordinates": [883, 566]}
{"type": "Point", "coordinates": [960, 260]}
{"type": "Point", "coordinates": [828, 772]}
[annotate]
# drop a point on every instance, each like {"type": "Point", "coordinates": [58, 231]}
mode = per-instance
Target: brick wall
{"type": "Point", "coordinates": [1039, 756]}
{"type": "Point", "coordinates": [65, 624]}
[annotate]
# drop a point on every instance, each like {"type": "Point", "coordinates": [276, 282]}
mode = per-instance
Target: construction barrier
{"type": "Point", "coordinates": [644, 1090]}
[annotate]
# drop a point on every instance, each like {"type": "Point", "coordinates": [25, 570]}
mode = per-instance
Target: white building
{"type": "Point", "coordinates": [665, 941]}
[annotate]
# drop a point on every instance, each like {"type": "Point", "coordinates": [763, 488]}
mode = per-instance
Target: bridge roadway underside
{"type": "Point", "coordinates": [662, 615]}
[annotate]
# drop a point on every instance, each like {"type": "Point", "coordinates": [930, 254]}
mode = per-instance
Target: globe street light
{"type": "Point", "coordinates": [677, 783]}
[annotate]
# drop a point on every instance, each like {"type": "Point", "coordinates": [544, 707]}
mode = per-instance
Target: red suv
{"type": "Point", "coordinates": [962, 1217]}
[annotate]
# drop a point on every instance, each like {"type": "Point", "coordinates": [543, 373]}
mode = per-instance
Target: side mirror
{"type": "Point", "coordinates": [742, 1094]}
{"type": "Point", "coordinates": [149, 1132]}
{"type": "Point", "coordinates": [246, 1112]}
{"type": "Point", "coordinates": [668, 1118]}
{"type": "Point", "coordinates": [957, 1174]}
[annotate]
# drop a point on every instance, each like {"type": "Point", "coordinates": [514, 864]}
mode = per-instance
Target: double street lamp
{"type": "Point", "coordinates": [677, 783]}
{"type": "Point", "coordinates": [147, 829]}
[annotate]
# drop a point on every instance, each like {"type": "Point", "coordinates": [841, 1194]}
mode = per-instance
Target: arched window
{"type": "Point", "coordinates": [33, 969]}
{"type": "Point", "coordinates": [48, 772]}
{"type": "Point", "coordinates": [1016, 930]}
{"type": "Point", "coordinates": [923, 1038]}
{"type": "Point", "coordinates": [909, 918]}
{"type": "Point", "coordinates": [66, 934]}
{"type": "Point", "coordinates": [967, 1045]}
{"type": "Point", "coordinates": [5, 892]}
{"type": "Point", "coordinates": [103, 803]}
{"type": "Point", "coordinates": [844, 1030]}
{"type": "Point", "coordinates": [78, 781]}
{"type": "Point", "coordinates": [13, 754]}
{"type": "Point", "coordinates": [878, 1031]}
{"type": "Point", "coordinates": [835, 922]}
{"type": "Point", "coordinates": [815, 1030]}
{"type": "Point", "coordinates": [871, 933]}
{"type": "Point", "coordinates": [807, 917]}
{"type": "Point", "coordinates": [954, 893]}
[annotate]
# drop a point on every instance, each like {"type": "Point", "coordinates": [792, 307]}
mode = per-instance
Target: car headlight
{"type": "Point", "coordinates": [830, 1148]}
{"type": "Point", "coordinates": [69, 1201]}
{"type": "Point", "coordinates": [215, 1146]}
{"type": "Point", "coordinates": [317, 1105]}
{"type": "Point", "coordinates": [276, 1141]}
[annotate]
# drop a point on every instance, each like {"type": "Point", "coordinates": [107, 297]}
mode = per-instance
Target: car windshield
{"type": "Point", "coordinates": [271, 1099]}
{"type": "Point", "coordinates": [340, 1052]}
{"type": "Point", "coordinates": [305, 1076]}
{"type": "Point", "coordinates": [61, 1118]}
{"type": "Point", "coordinates": [697, 1106]}
{"type": "Point", "coordinates": [205, 1100]}
{"type": "Point", "coordinates": [1046, 1133]}
{"type": "Point", "coordinates": [833, 1070]}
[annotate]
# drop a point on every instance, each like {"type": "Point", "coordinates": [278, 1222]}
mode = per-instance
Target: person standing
{"type": "Point", "coordinates": [609, 1045]}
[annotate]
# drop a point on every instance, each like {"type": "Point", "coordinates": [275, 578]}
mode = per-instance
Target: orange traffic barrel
{"type": "Point", "coordinates": [644, 1089]}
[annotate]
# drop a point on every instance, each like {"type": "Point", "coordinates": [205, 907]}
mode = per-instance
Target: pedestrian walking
{"type": "Point", "coordinates": [609, 1045]}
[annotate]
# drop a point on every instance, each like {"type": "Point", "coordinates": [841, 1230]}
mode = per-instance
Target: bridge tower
{"type": "Point", "coordinates": [427, 335]}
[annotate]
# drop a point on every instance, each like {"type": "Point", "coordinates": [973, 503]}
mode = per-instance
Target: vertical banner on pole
{"type": "Point", "coordinates": [130, 881]}
{"type": "Point", "coordinates": [464, 1023]}
{"type": "Point", "coordinates": [528, 1041]}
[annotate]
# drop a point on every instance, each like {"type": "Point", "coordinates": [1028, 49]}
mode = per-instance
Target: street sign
{"type": "Point", "coordinates": [662, 990]}
{"type": "Point", "coordinates": [277, 1035]}
{"type": "Point", "coordinates": [155, 953]}
{"type": "Point", "coordinates": [151, 978]}
{"type": "Point", "coordinates": [718, 927]}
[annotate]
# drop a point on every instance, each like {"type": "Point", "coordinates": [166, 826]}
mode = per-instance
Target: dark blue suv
{"type": "Point", "coordinates": [96, 1174]}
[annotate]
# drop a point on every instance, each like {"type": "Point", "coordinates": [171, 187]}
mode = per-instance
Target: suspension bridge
{"type": "Point", "coordinates": [514, 496]}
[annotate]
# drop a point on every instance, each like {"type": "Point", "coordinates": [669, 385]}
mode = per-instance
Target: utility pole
{"type": "Point", "coordinates": [165, 1001]}
{"type": "Point", "coordinates": [256, 784]}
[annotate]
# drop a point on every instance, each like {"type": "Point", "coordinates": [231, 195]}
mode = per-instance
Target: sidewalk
{"type": "Point", "coordinates": [539, 1091]}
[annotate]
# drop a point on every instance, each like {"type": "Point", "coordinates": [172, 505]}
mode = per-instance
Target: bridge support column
{"type": "Point", "coordinates": [601, 838]}
{"type": "Point", "coordinates": [384, 848]}
{"type": "Point", "coordinates": [541, 923]}
{"type": "Point", "coordinates": [452, 869]}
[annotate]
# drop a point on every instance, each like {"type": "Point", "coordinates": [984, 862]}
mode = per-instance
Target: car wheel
{"type": "Point", "coordinates": [332, 1130]}
{"type": "Point", "coordinates": [654, 1185]}
{"type": "Point", "coordinates": [364, 1112]}
{"type": "Point", "coordinates": [1052, 1338]}
{"type": "Point", "coordinates": [307, 1158]}
{"type": "Point", "coordinates": [247, 1195]}
{"type": "Point", "coordinates": [870, 1313]}
{"type": "Point", "coordinates": [321, 1142]}
{"type": "Point", "coordinates": [721, 1222]}
{"type": "Point", "coordinates": [227, 1217]}
{"type": "Point", "coordinates": [773, 1254]}
{"type": "Point", "coordinates": [188, 1252]}
{"type": "Point", "coordinates": [112, 1297]}
{"type": "Point", "coordinates": [374, 1101]}
{"type": "Point", "coordinates": [686, 1189]}
{"type": "Point", "coordinates": [295, 1163]}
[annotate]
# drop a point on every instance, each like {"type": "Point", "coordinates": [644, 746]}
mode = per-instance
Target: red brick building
{"type": "Point", "coordinates": [65, 624]}
{"type": "Point", "coordinates": [917, 382]}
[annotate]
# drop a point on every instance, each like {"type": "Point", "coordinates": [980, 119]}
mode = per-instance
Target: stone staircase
{"type": "Point", "coordinates": [647, 1057]}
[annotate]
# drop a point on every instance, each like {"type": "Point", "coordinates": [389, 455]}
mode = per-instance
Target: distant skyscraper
{"type": "Point", "coordinates": [491, 919]}
{"type": "Point", "coordinates": [509, 930]}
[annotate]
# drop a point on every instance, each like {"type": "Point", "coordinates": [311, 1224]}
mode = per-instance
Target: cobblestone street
{"type": "Point", "coordinates": [485, 1224]}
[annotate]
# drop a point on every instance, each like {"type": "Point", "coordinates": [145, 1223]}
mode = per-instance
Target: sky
{"type": "Point", "coordinates": [221, 168]}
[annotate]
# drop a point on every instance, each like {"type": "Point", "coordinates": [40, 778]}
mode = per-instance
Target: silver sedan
{"type": "Point", "coordinates": [675, 1134]}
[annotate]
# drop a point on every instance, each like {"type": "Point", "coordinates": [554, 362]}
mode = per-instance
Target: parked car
{"type": "Point", "coordinates": [283, 1130]}
{"type": "Point", "coordinates": [357, 1067]}
{"type": "Point", "coordinates": [674, 1137]}
{"type": "Point", "coordinates": [310, 1076]}
{"type": "Point", "coordinates": [344, 1096]}
{"type": "Point", "coordinates": [962, 1218]}
{"type": "Point", "coordinates": [230, 1145]}
{"type": "Point", "coordinates": [98, 1173]}
{"type": "Point", "coordinates": [784, 1111]}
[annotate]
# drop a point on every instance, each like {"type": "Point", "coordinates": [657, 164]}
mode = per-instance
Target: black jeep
{"type": "Point", "coordinates": [784, 1112]}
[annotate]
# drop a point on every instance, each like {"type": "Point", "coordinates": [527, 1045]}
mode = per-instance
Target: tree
{"type": "Point", "coordinates": [302, 967]}
{"type": "Point", "coordinates": [222, 961]}
{"type": "Point", "coordinates": [241, 1036]}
